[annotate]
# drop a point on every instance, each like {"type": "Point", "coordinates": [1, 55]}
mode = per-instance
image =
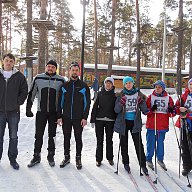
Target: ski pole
{"type": "Point", "coordinates": [190, 148]}
{"type": "Point", "coordinates": [141, 174]}
{"type": "Point", "coordinates": [175, 132]}
{"type": "Point", "coordinates": [118, 154]}
{"type": "Point", "coordinates": [155, 182]}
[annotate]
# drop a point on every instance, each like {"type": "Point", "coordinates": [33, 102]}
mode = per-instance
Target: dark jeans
{"type": "Point", "coordinates": [137, 143]}
{"type": "Point", "coordinates": [41, 121]}
{"type": "Point", "coordinates": [100, 126]}
{"type": "Point", "coordinates": [12, 118]}
{"type": "Point", "coordinates": [78, 129]}
{"type": "Point", "coordinates": [186, 154]}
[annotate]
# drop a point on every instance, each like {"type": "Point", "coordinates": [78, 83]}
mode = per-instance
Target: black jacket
{"type": "Point", "coordinates": [104, 105]}
{"type": "Point", "coordinates": [46, 88]}
{"type": "Point", "coordinates": [13, 92]}
{"type": "Point", "coordinates": [74, 100]}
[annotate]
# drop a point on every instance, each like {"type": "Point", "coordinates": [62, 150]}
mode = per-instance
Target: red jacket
{"type": "Point", "coordinates": [179, 103]}
{"type": "Point", "coordinates": [162, 119]}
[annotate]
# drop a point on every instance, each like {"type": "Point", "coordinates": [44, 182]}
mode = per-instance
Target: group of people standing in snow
{"type": "Point", "coordinates": [68, 104]}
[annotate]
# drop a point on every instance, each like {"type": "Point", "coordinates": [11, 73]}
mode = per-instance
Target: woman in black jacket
{"type": "Point", "coordinates": [103, 116]}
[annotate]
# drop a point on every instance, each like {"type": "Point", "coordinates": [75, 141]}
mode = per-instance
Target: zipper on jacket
{"type": "Point", "coordinates": [48, 95]}
{"type": "Point", "coordinates": [72, 101]}
{"type": "Point", "coordinates": [6, 81]}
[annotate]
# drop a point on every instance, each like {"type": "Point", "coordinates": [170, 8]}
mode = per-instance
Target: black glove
{"type": "Point", "coordinates": [170, 109]}
{"type": "Point", "coordinates": [29, 113]}
{"type": "Point", "coordinates": [154, 107]}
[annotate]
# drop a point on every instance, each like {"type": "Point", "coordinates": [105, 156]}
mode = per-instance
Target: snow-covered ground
{"type": "Point", "coordinates": [43, 178]}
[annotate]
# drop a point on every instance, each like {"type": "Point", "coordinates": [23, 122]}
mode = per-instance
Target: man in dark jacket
{"type": "Point", "coordinates": [73, 110]}
{"type": "Point", "coordinates": [46, 86]}
{"type": "Point", "coordinates": [13, 94]}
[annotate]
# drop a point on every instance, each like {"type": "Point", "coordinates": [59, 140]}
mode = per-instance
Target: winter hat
{"type": "Point", "coordinates": [109, 79]}
{"type": "Point", "coordinates": [128, 79]}
{"type": "Point", "coordinates": [75, 64]}
{"type": "Point", "coordinates": [190, 80]}
{"type": "Point", "coordinates": [161, 83]}
{"type": "Point", "coordinates": [52, 62]}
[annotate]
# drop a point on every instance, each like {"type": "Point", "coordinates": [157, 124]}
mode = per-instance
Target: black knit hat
{"type": "Point", "coordinates": [52, 62]}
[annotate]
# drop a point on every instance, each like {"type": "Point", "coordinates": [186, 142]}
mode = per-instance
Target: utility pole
{"type": "Point", "coordinates": [29, 62]}
{"type": "Point", "coordinates": [96, 28]}
{"type": "Point", "coordinates": [164, 44]}
{"type": "Point", "coordinates": [84, 3]}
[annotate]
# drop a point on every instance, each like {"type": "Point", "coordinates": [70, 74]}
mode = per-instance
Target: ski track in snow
{"type": "Point", "coordinates": [43, 178]}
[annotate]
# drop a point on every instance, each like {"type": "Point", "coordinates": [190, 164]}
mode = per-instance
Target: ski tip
{"type": "Point", "coordinates": [155, 182]}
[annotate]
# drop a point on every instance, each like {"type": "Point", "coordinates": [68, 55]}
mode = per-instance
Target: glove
{"type": "Point", "coordinates": [170, 109]}
{"type": "Point", "coordinates": [93, 125]}
{"type": "Point", "coordinates": [29, 113]}
{"type": "Point", "coordinates": [123, 100]}
{"type": "Point", "coordinates": [154, 107]}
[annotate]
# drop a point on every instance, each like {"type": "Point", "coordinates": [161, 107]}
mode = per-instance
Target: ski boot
{"type": "Point", "coordinates": [36, 159]}
{"type": "Point", "coordinates": [14, 164]}
{"type": "Point", "coordinates": [150, 165]}
{"type": "Point", "coordinates": [65, 161]}
{"type": "Point", "coordinates": [127, 168]}
{"type": "Point", "coordinates": [98, 163]}
{"type": "Point", "coordinates": [162, 164]}
{"type": "Point", "coordinates": [185, 172]}
{"type": "Point", "coordinates": [50, 158]}
{"type": "Point", "coordinates": [78, 162]}
{"type": "Point", "coordinates": [111, 162]}
{"type": "Point", "coordinates": [145, 170]}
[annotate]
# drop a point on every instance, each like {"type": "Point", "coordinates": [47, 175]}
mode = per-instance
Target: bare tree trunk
{"type": "Point", "coordinates": [180, 45]}
{"type": "Point", "coordinates": [42, 37]}
{"type": "Point", "coordinates": [190, 65]}
{"type": "Point", "coordinates": [112, 38]}
{"type": "Point", "coordinates": [29, 62]}
{"type": "Point", "coordinates": [138, 46]}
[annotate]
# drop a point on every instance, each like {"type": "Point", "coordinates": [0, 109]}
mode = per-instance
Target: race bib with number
{"type": "Point", "coordinates": [161, 102]}
{"type": "Point", "coordinates": [188, 103]}
{"type": "Point", "coordinates": [131, 102]}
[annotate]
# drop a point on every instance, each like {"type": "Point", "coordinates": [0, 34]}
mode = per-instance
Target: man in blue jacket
{"type": "Point", "coordinates": [73, 110]}
{"type": "Point", "coordinates": [13, 94]}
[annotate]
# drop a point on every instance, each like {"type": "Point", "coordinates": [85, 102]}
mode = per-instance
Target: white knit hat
{"type": "Point", "coordinates": [109, 79]}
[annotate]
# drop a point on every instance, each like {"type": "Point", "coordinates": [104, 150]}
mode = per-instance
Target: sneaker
{"type": "Point", "coordinates": [15, 165]}
{"type": "Point", "coordinates": [162, 164]}
{"type": "Point", "coordinates": [98, 163]}
{"type": "Point", "coordinates": [50, 158]}
{"type": "Point", "coordinates": [145, 170]}
{"type": "Point", "coordinates": [185, 172]}
{"type": "Point", "coordinates": [65, 161]}
{"type": "Point", "coordinates": [127, 168]}
{"type": "Point", "coordinates": [111, 162]}
{"type": "Point", "coordinates": [36, 159]}
{"type": "Point", "coordinates": [150, 165]}
{"type": "Point", "coordinates": [78, 162]}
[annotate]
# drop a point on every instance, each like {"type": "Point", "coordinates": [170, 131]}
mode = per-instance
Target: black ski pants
{"type": "Point", "coordinates": [67, 129]}
{"type": "Point", "coordinates": [137, 143]}
{"type": "Point", "coordinates": [100, 126]}
{"type": "Point", "coordinates": [41, 120]}
{"type": "Point", "coordinates": [186, 154]}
